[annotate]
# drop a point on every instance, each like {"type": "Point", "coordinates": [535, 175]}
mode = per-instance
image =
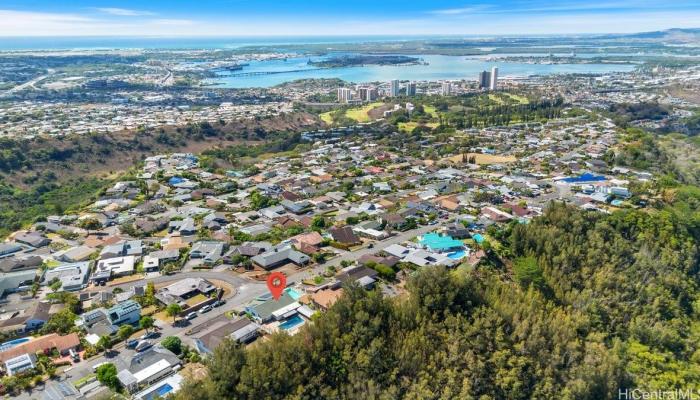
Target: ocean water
{"type": "Point", "coordinates": [437, 68]}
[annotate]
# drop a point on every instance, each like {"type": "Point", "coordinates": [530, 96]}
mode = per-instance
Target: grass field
{"type": "Point", "coordinates": [431, 110]}
{"type": "Point", "coordinates": [520, 99]}
{"type": "Point", "coordinates": [359, 114]}
{"type": "Point", "coordinates": [410, 126]}
{"type": "Point", "coordinates": [484, 159]}
{"type": "Point", "coordinates": [326, 117]}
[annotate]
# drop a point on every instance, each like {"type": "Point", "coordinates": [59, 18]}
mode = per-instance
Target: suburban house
{"type": "Point", "coordinates": [345, 235]}
{"type": "Point", "coordinates": [363, 276]}
{"type": "Point", "coordinates": [44, 343]}
{"type": "Point", "coordinates": [113, 267]}
{"type": "Point", "coordinates": [148, 367]}
{"type": "Point", "coordinates": [183, 290]}
{"type": "Point", "coordinates": [20, 363]}
{"type": "Point", "coordinates": [242, 330]}
{"type": "Point", "coordinates": [279, 256]}
{"type": "Point", "coordinates": [34, 239]}
{"type": "Point", "coordinates": [209, 251]}
{"type": "Point", "coordinates": [274, 310]}
{"type": "Point", "coordinates": [73, 277]}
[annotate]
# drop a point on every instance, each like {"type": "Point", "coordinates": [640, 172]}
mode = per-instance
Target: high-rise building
{"type": "Point", "coordinates": [344, 95]}
{"type": "Point", "coordinates": [484, 79]}
{"type": "Point", "coordinates": [494, 79]}
{"type": "Point", "coordinates": [395, 88]}
{"type": "Point", "coordinates": [446, 89]}
{"type": "Point", "coordinates": [372, 94]}
{"type": "Point", "coordinates": [362, 92]}
{"type": "Point", "coordinates": [411, 89]}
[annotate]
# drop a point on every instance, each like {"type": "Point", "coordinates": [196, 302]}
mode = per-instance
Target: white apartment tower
{"type": "Point", "coordinates": [344, 95]}
{"type": "Point", "coordinates": [494, 79]}
{"type": "Point", "coordinates": [446, 89]}
{"type": "Point", "coordinates": [395, 88]}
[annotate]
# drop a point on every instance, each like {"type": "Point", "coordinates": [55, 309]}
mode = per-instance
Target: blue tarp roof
{"type": "Point", "coordinates": [175, 180]}
{"type": "Point", "coordinates": [587, 177]}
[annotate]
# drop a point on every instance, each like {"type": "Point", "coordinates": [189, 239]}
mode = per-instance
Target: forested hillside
{"type": "Point", "coordinates": [592, 303]}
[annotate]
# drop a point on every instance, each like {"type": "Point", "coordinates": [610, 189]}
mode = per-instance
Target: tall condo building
{"type": "Point", "coordinates": [446, 89]}
{"type": "Point", "coordinates": [411, 89]}
{"type": "Point", "coordinates": [344, 95]}
{"type": "Point", "coordinates": [395, 88]}
{"type": "Point", "coordinates": [484, 79]}
{"type": "Point", "coordinates": [494, 78]}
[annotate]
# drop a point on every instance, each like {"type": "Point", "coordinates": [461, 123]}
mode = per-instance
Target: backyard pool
{"type": "Point", "coordinates": [13, 343]}
{"type": "Point", "coordinates": [478, 238]}
{"type": "Point", "coordinates": [292, 322]}
{"type": "Point", "coordinates": [457, 254]}
{"type": "Point", "coordinates": [293, 293]}
{"type": "Point", "coordinates": [159, 393]}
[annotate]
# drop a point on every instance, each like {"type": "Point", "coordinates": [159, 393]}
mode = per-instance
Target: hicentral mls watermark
{"type": "Point", "coordinates": [658, 394]}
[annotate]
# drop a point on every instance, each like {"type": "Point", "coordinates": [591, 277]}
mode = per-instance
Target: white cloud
{"type": "Point", "coordinates": [25, 23]}
{"type": "Point", "coordinates": [123, 12]}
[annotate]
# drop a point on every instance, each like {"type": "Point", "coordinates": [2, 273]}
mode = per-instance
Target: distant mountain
{"type": "Point", "coordinates": [674, 34]}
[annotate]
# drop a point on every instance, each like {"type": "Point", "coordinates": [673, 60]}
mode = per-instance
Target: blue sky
{"type": "Point", "coordinates": [332, 17]}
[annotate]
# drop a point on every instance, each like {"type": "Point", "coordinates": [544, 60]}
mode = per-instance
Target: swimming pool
{"type": "Point", "coordinates": [478, 238]}
{"type": "Point", "coordinates": [13, 343]}
{"type": "Point", "coordinates": [293, 293]}
{"type": "Point", "coordinates": [292, 322]}
{"type": "Point", "coordinates": [457, 254]}
{"type": "Point", "coordinates": [160, 392]}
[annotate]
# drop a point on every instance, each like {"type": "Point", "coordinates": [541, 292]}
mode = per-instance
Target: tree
{"type": "Point", "coordinates": [107, 375]}
{"type": "Point", "coordinates": [318, 222]}
{"type": "Point", "coordinates": [125, 331]}
{"type": "Point", "coordinates": [146, 322]}
{"type": "Point", "coordinates": [55, 285]}
{"type": "Point", "coordinates": [527, 272]}
{"type": "Point", "coordinates": [105, 343]}
{"type": "Point", "coordinates": [173, 310]}
{"type": "Point", "coordinates": [172, 343]}
{"type": "Point", "coordinates": [61, 322]}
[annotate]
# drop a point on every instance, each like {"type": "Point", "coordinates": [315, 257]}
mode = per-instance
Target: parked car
{"type": "Point", "coordinates": [205, 309]}
{"type": "Point", "coordinates": [74, 356]}
{"type": "Point", "coordinates": [191, 315]}
{"type": "Point", "coordinates": [219, 303]}
{"type": "Point", "coordinates": [148, 335]}
{"type": "Point", "coordinates": [131, 344]}
{"type": "Point", "coordinates": [143, 345]}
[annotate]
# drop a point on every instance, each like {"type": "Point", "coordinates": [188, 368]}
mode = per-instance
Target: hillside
{"type": "Point", "coordinates": [591, 304]}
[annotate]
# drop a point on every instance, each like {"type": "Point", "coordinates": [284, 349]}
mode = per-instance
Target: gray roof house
{"type": "Point", "coordinates": [280, 255]}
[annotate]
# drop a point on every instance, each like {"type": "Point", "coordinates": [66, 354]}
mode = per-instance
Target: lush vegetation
{"type": "Point", "coordinates": [590, 303]}
{"type": "Point", "coordinates": [19, 207]}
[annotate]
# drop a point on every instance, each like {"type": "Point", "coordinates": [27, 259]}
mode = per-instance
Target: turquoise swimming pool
{"type": "Point", "coordinates": [478, 238]}
{"type": "Point", "coordinates": [292, 322]}
{"type": "Point", "coordinates": [293, 293]}
{"type": "Point", "coordinates": [457, 254]}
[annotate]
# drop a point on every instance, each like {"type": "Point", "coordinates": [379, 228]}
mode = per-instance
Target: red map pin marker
{"type": "Point", "coordinates": [276, 282]}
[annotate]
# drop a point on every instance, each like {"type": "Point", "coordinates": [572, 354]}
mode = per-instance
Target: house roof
{"type": "Point", "coordinates": [62, 343]}
{"type": "Point", "coordinates": [326, 298]}
{"type": "Point", "coordinates": [344, 235]}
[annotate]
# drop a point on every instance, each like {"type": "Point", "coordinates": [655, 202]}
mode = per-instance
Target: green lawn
{"type": "Point", "coordinates": [327, 117]}
{"type": "Point", "coordinates": [362, 114]}
{"type": "Point", "coordinates": [410, 126]}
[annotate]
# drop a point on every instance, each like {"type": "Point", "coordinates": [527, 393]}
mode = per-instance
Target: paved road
{"type": "Point", "coordinates": [246, 290]}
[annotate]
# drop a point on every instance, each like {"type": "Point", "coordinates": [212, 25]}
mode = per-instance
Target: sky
{"type": "Point", "coordinates": [187, 18]}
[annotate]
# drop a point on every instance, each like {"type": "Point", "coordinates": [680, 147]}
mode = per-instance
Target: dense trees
{"type": "Point", "coordinates": [602, 302]}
